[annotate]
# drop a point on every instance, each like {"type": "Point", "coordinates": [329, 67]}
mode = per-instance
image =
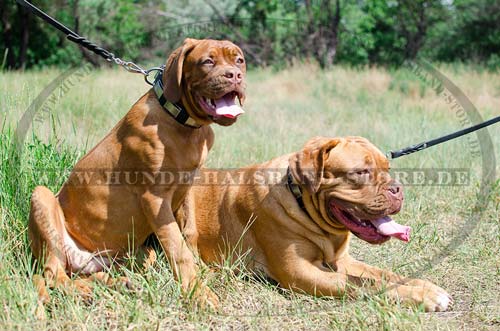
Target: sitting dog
{"type": "Point", "coordinates": [296, 229]}
{"type": "Point", "coordinates": [90, 223]}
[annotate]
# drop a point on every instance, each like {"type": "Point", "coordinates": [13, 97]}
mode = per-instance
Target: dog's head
{"type": "Point", "coordinates": [350, 187]}
{"type": "Point", "coordinates": [207, 76]}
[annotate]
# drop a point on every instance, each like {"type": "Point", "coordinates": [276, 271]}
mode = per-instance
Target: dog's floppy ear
{"type": "Point", "coordinates": [307, 166]}
{"type": "Point", "coordinates": [172, 76]}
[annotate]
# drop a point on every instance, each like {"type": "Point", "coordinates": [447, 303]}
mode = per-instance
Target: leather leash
{"type": "Point", "coordinates": [418, 147]}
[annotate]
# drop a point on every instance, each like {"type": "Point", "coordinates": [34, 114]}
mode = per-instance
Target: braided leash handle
{"type": "Point", "coordinates": [91, 46]}
{"type": "Point", "coordinates": [408, 150]}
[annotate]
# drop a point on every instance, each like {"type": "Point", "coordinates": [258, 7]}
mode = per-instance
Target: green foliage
{"type": "Point", "coordinates": [473, 33]}
{"type": "Point", "coordinates": [117, 27]}
{"type": "Point", "coordinates": [270, 32]}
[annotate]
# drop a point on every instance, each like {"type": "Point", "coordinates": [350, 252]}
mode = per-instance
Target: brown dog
{"type": "Point", "coordinates": [93, 221]}
{"type": "Point", "coordinates": [343, 186]}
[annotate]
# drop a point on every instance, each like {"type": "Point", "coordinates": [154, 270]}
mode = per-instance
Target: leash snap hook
{"type": "Point", "coordinates": [132, 67]}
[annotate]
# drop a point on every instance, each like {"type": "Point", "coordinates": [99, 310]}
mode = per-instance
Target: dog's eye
{"type": "Point", "coordinates": [363, 172]}
{"type": "Point", "coordinates": [208, 62]}
{"type": "Point", "coordinates": [359, 176]}
{"type": "Point", "coordinates": [240, 60]}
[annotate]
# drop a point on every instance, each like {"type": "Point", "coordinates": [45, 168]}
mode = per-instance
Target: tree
{"type": "Point", "coordinates": [414, 19]}
{"type": "Point", "coordinates": [323, 30]}
{"type": "Point", "coordinates": [271, 32]}
{"type": "Point", "coordinates": [471, 34]}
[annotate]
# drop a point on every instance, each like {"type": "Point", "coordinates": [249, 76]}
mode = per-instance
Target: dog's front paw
{"type": "Point", "coordinates": [435, 298]}
{"type": "Point", "coordinates": [432, 297]}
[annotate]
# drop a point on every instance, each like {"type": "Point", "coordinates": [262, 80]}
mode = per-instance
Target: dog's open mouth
{"type": "Point", "coordinates": [222, 107]}
{"type": "Point", "coordinates": [374, 231]}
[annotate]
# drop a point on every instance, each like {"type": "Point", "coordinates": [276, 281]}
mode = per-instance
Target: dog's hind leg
{"type": "Point", "coordinates": [46, 235]}
{"type": "Point", "coordinates": [146, 257]}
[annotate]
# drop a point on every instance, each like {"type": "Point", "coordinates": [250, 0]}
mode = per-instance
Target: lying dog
{"type": "Point", "coordinates": [88, 224]}
{"type": "Point", "coordinates": [297, 229]}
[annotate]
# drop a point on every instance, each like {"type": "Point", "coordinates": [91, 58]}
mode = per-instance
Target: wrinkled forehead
{"type": "Point", "coordinates": [354, 154]}
{"type": "Point", "coordinates": [215, 48]}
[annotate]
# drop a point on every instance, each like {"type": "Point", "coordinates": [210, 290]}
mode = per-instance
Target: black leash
{"type": "Point", "coordinates": [427, 144]}
{"type": "Point", "coordinates": [76, 38]}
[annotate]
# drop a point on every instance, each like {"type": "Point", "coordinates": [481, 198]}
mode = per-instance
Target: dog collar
{"type": "Point", "coordinates": [295, 189]}
{"type": "Point", "coordinates": [173, 109]}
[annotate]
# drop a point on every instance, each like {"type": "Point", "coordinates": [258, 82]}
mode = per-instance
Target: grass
{"type": "Point", "coordinates": [391, 108]}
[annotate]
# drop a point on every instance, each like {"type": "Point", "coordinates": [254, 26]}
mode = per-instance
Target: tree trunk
{"type": "Point", "coordinates": [418, 16]}
{"type": "Point", "coordinates": [5, 13]}
{"type": "Point", "coordinates": [25, 35]}
{"type": "Point", "coordinates": [334, 39]}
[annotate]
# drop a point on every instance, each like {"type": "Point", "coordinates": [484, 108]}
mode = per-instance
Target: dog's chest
{"type": "Point", "coordinates": [187, 155]}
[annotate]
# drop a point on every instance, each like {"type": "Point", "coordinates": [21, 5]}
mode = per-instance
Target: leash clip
{"type": "Point", "coordinates": [136, 69]}
{"type": "Point", "coordinates": [129, 66]}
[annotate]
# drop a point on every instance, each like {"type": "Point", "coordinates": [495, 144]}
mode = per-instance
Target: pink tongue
{"type": "Point", "coordinates": [225, 106]}
{"type": "Point", "coordinates": [388, 227]}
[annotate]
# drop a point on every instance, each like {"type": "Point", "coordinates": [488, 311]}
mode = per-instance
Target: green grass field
{"type": "Point", "coordinates": [391, 108]}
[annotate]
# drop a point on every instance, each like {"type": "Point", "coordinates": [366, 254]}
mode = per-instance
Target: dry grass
{"type": "Point", "coordinates": [284, 109]}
